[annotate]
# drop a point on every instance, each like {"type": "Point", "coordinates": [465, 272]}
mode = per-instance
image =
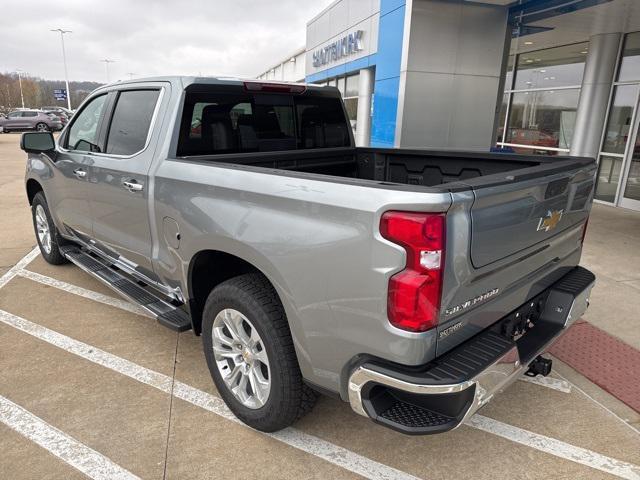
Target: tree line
{"type": "Point", "coordinates": [38, 92]}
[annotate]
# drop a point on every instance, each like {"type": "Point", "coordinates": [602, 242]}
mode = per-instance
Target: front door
{"type": "Point", "coordinates": [119, 182]}
{"type": "Point", "coordinates": [618, 179]}
{"type": "Point", "coordinates": [69, 200]}
{"type": "Point", "coordinates": [631, 180]}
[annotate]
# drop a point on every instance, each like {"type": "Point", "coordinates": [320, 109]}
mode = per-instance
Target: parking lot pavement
{"type": "Point", "coordinates": [90, 387]}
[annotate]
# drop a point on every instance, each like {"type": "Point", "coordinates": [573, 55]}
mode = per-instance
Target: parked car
{"type": "Point", "coordinates": [58, 108]}
{"type": "Point", "coordinates": [413, 284]}
{"type": "Point", "coordinates": [58, 114]}
{"type": "Point", "coordinates": [30, 120]}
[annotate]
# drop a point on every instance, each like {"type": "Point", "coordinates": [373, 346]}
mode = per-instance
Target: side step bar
{"type": "Point", "coordinates": [167, 314]}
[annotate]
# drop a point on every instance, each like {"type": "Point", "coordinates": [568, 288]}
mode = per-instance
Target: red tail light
{"type": "Point", "coordinates": [414, 293]}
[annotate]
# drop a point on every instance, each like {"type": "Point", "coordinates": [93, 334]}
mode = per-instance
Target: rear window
{"type": "Point", "coordinates": [214, 123]}
{"type": "Point", "coordinates": [131, 120]}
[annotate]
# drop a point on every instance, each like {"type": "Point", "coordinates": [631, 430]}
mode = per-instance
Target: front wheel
{"type": "Point", "coordinates": [250, 354]}
{"type": "Point", "coordinates": [46, 232]}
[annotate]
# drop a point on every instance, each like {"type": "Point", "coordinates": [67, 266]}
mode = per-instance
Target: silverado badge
{"type": "Point", "coordinates": [550, 220]}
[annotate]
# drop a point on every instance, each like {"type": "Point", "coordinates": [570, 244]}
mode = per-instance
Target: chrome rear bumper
{"type": "Point", "coordinates": [498, 375]}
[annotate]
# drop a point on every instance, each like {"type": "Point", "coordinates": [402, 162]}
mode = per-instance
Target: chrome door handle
{"type": "Point", "coordinates": [78, 172]}
{"type": "Point", "coordinates": [133, 186]}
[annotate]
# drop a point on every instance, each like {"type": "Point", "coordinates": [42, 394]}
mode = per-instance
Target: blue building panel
{"type": "Point", "coordinates": [387, 82]}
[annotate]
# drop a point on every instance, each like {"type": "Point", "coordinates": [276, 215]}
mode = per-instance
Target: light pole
{"type": "Point", "coordinates": [106, 65]}
{"type": "Point", "coordinates": [131, 75]}
{"type": "Point", "coordinates": [19, 72]}
{"type": "Point", "coordinates": [64, 60]}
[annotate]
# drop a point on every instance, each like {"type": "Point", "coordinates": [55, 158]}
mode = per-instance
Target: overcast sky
{"type": "Point", "coordinates": [151, 37]}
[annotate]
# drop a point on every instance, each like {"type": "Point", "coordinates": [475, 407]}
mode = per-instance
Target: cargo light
{"type": "Point", "coordinates": [274, 87]}
{"type": "Point", "coordinates": [414, 295]}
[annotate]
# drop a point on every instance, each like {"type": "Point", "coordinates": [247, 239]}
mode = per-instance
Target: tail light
{"type": "Point", "coordinates": [414, 293]}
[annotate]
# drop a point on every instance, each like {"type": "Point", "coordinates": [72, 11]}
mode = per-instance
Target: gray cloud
{"type": "Point", "coordinates": [147, 37]}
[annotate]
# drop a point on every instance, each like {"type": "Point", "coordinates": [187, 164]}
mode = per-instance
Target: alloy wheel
{"type": "Point", "coordinates": [42, 227]}
{"type": "Point", "coordinates": [241, 358]}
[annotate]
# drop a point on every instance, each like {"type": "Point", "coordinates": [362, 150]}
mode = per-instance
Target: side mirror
{"type": "Point", "coordinates": [37, 142]}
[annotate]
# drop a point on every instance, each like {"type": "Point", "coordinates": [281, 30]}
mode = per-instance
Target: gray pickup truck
{"type": "Point", "coordinates": [413, 284]}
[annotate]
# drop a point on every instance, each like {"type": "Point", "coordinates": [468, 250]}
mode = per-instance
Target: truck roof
{"type": "Point", "coordinates": [184, 81]}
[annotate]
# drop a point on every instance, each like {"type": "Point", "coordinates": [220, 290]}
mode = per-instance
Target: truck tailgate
{"type": "Point", "coordinates": [528, 209]}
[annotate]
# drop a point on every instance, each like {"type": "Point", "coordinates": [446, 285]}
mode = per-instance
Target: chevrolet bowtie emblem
{"type": "Point", "coordinates": [550, 220]}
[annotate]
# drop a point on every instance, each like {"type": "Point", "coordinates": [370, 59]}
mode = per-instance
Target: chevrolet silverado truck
{"type": "Point", "coordinates": [413, 284]}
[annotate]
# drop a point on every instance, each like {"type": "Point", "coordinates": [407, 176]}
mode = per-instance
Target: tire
{"type": "Point", "coordinates": [50, 249]}
{"type": "Point", "coordinates": [42, 127]}
{"type": "Point", "coordinates": [288, 398]}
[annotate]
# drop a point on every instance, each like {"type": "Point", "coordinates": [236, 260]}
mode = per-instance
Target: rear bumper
{"type": "Point", "coordinates": [440, 396]}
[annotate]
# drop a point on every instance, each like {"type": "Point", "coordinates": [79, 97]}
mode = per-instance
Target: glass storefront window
{"type": "Point", "coordinates": [630, 64]}
{"type": "Point", "coordinates": [619, 123]}
{"type": "Point", "coordinates": [550, 68]}
{"type": "Point", "coordinates": [508, 79]}
{"type": "Point", "coordinates": [352, 86]}
{"type": "Point", "coordinates": [544, 119]}
{"type": "Point", "coordinates": [501, 118]}
{"type": "Point", "coordinates": [608, 178]}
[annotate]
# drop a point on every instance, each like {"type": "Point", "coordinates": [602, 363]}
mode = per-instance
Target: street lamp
{"type": "Point", "coordinates": [19, 72]}
{"type": "Point", "coordinates": [131, 75]}
{"type": "Point", "coordinates": [64, 60]}
{"type": "Point", "coordinates": [106, 65]}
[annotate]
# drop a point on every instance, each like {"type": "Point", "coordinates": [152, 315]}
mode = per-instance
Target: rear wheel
{"type": "Point", "coordinates": [250, 354]}
{"type": "Point", "coordinates": [42, 127]}
{"type": "Point", "coordinates": [47, 234]}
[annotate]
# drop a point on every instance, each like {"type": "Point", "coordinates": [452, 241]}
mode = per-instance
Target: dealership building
{"type": "Point", "coordinates": [547, 77]}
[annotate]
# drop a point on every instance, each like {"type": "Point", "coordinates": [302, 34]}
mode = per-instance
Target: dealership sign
{"type": "Point", "coordinates": [343, 47]}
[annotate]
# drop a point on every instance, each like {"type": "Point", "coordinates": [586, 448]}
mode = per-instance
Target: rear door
{"type": "Point", "coordinates": [119, 182]}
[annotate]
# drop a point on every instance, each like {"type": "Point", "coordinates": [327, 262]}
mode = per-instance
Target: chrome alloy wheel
{"type": "Point", "coordinates": [42, 127]}
{"type": "Point", "coordinates": [42, 226]}
{"type": "Point", "coordinates": [241, 358]}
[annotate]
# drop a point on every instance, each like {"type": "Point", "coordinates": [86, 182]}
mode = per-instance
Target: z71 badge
{"type": "Point", "coordinates": [470, 303]}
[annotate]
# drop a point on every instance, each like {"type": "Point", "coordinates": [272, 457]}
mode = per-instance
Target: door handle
{"type": "Point", "coordinates": [78, 172]}
{"type": "Point", "coordinates": [133, 186]}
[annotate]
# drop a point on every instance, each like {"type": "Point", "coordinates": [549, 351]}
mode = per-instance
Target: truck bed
{"type": "Point", "coordinates": [420, 167]}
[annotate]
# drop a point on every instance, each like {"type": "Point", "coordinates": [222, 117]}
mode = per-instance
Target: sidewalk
{"type": "Point", "coordinates": [605, 345]}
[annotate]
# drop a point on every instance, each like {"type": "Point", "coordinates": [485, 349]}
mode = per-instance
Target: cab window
{"type": "Point", "coordinates": [83, 133]}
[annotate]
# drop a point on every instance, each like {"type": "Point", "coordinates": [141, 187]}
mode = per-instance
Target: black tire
{"type": "Point", "coordinates": [42, 127]}
{"type": "Point", "coordinates": [54, 257]}
{"type": "Point", "coordinates": [289, 397]}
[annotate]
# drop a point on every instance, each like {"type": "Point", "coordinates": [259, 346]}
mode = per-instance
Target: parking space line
{"type": "Point", "coordinates": [308, 443]}
{"type": "Point", "coordinates": [13, 271]}
{"type": "Point", "coordinates": [549, 382]}
{"type": "Point", "coordinates": [555, 447]}
{"type": "Point", "coordinates": [66, 448]}
{"type": "Point", "coordinates": [82, 292]}
{"type": "Point", "coordinates": [601, 405]}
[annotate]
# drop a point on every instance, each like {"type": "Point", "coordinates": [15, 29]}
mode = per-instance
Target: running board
{"type": "Point", "coordinates": [167, 314]}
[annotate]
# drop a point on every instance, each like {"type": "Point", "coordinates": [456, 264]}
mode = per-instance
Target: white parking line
{"type": "Point", "coordinates": [303, 441]}
{"type": "Point", "coordinates": [216, 405]}
{"type": "Point", "coordinates": [556, 447]}
{"type": "Point", "coordinates": [13, 271]}
{"type": "Point", "coordinates": [549, 382]}
{"type": "Point", "coordinates": [68, 449]}
{"type": "Point", "coordinates": [83, 292]}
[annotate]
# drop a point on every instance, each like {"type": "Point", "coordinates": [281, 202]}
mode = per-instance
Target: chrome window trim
{"type": "Point", "coordinates": [154, 117]}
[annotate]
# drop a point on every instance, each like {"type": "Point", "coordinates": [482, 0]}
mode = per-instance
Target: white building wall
{"type": "Point", "coordinates": [338, 20]}
{"type": "Point", "coordinates": [290, 69]}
